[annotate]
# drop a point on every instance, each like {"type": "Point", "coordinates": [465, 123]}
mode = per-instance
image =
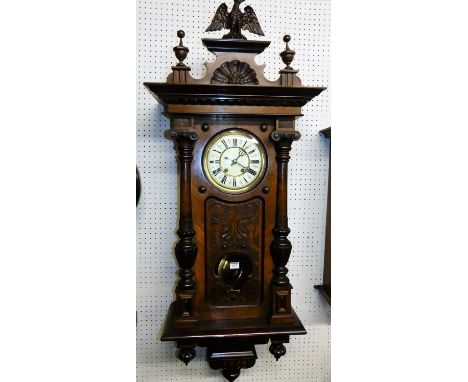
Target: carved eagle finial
{"type": "Point", "coordinates": [235, 21]}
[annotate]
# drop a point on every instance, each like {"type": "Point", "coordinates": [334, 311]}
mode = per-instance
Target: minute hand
{"type": "Point", "coordinates": [241, 154]}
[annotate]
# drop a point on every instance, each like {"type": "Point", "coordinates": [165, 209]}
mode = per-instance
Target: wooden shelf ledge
{"type": "Point", "coordinates": [229, 329]}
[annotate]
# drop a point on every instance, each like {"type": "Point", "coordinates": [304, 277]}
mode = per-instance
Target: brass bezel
{"type": "Point", "coordinates": [247, 135]}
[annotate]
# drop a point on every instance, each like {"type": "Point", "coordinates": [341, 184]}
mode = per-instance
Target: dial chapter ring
{"type": "Point", "coordinates": [244, 165]}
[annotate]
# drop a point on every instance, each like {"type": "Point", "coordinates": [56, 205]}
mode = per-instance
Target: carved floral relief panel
{"type": "Point", "coordinates": [234, 252]}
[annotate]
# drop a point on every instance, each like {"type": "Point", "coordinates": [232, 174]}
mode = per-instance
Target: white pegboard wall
{"type": "Point", "coordinates": [308, 22]}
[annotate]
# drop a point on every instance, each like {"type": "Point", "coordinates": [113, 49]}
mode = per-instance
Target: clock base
{"type": "Point", "coordinates": [231, 359]}
{"type": "Point", "coordinates": [230, 343]}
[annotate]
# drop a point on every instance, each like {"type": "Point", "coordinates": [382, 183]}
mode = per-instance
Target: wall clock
{"type": "Point", "coordinates": [233, 132]}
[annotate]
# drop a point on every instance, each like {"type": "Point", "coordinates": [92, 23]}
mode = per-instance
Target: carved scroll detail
{"type": "Point", "coordinates": [234, 233]}
{"type": "Point", "coordinates": [232, 224]}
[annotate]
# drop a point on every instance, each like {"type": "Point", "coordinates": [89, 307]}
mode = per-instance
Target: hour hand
{"type": "Point", "coordinates": [232, 161]}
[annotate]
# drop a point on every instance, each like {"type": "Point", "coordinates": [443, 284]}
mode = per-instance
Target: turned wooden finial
{"type": "Point", "coordinates": [181, 51]}
{"type": "Point", "coordinates": [288, 74]}
{"type": "Point", "coordinates": [288, 54]}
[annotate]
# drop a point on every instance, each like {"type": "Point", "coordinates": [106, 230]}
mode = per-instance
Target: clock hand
{"type": "Point", "coordinates": [241, 154]}
{"type": "Point", "coordinates": [234, 161]}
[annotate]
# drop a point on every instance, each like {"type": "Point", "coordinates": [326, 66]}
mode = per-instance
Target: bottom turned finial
{"type": "Point", "coordinates": [186, 355]}
{"type": "Point", "coordinates": [231, 374]}
{"type": "Point", "coordinates": [278, 350]}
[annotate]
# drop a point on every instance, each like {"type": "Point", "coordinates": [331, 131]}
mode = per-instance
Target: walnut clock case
{"type": "Point", "coordinates": [233, 132]}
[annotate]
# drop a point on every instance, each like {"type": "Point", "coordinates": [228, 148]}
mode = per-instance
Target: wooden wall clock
{"type": "Point", "coordinates": [233, 132]}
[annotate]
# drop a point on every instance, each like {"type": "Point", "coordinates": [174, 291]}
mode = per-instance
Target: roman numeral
{"type": "Point", "coordinates": [223, 181]}
{"type": "Point", "coordinates": [255, 161]}
{"type": "Point", "coordinates": [253, 172]}
{"type": "Point", "coordinates": [219, 152]}
{"type": "Point", "coordinates": [251, 152]}
{"type": "Point", "coordinates": [234, 183]}
{"type": "Point", "coordinates": [215, 161]}
{"type": "Point", "coordinates": [245, 180]}
{"type": "Point", "coordinates": [224, 143]}
{"type": "Point", "coordinates": [217, 171]}
{"type": "Point", "coordinates": [234, 142]}
{"type": "Point", "coordinates": [244, 144]}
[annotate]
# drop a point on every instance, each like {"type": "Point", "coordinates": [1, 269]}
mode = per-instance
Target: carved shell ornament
{"type": "Point", "coordinates": [235, 73]}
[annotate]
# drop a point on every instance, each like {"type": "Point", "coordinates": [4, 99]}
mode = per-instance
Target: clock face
{"type": "Point", "coordinates": [234, 161]}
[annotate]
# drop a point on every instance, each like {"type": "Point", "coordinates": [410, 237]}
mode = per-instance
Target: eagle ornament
{"type": "Point", "coordinates": [235, 21]}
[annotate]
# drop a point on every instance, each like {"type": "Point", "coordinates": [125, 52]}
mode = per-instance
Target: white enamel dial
{"type": "Point", "coordinates": [234, 161]}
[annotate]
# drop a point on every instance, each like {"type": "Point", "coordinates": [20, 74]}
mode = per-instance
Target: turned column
{"type": "Point", "coordinates": [281, 247]}
{"type": "Point", "coordinates": [186, 247]}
